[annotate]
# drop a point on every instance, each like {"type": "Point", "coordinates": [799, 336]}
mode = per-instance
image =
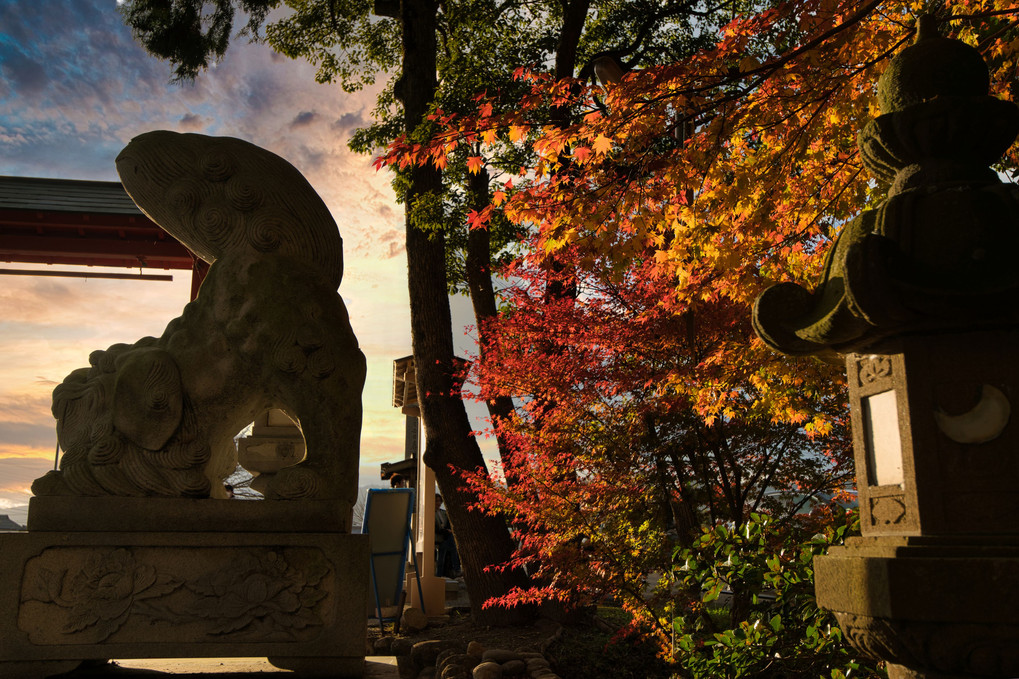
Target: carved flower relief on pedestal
{"type": "Point", "coordinates": [259, 596]}
{"type": "Point", "coordinates": [873, 368]}
{"type": "Point", "coordinates": [945, 648]}
{"type": "Point", "coordinates": [100, 596]}
{"type": "Point", "coordinates": [263, 597]}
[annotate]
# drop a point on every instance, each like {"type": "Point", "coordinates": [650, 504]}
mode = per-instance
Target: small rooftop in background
{"type": "Point", "coordinates": [405, 392]}
{"type": "Point", "coordinates": [65, 195]}
{"type": "Point", "coordinates": [78, 222]}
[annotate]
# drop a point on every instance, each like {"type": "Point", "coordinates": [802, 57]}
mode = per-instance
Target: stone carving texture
{"type": "Point", "coordinates": [886, 511]}
{"type": "Point", "coordinates": [99, 596]}
{"type": "Point", "coordinates": [268, 329]}
{"type": "Point", "coordinates": [256, 596]}
{"type": "Point", "coordinates": [874, 368]}
{"type": "Point", "coordinates": [957, 649]}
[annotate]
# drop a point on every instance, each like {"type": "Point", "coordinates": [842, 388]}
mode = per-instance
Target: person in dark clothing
{"type": "Point", "coordinates": [447, 561]}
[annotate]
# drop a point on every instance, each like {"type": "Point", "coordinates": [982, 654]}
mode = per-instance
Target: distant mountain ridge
{"type": "Point", "coordinates": [7, 524]}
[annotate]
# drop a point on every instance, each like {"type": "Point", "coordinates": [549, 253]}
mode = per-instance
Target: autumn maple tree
{"type": "Point", "coordinates": [724, 173]}
{"type": "Point", "coordinates": [666, 200]}
{"type": "Point", "coordinates": [612, 461]}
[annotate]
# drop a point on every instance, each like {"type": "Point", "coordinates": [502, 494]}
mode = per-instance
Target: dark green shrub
{"type": "Point", "coordinates": [757, 616]}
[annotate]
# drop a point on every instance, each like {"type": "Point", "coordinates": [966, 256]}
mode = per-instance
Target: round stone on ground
{"type": "Point", "coordinates": [499, 655]}
{"type": "Point", "coordinates": [455, 672]}
{"type": "Point", "coordinates": [414, 620]}
{"type": "Point", "coordinates": [544, 673]}
{"type": "Point", "coordinates": [460, 660]}
{"type": "Point", "coordinates": [536, 664]}
{"type": "Point", "coordinates": [401, 646]}
{"type": "Point", "coordinates": [424, 653]}
{"type": "Point", "coordinates": [383, 646]}
{"type": "Point", "coordinates": [513, 668]}
{"type": "Point", "coordinates": [488, 670]}
{"type": "Point", "coordinates": [440, 659]}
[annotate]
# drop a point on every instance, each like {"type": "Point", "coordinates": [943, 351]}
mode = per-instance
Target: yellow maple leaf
{"type": "Point", "coordinates": [517, 132]}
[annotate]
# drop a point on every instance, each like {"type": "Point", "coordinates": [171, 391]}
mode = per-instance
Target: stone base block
{"type": "Point", "coordinates": [297, 598]}
{"type": "Point", "coordinates": [158, 514]}
{"type": "Point", "coordinates": [935, 608]}
{"type": "Point", "coordinates": [902, 672]}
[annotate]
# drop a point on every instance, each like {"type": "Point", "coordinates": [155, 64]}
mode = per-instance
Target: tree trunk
{"type": "Point", "coordinates": [574, 17]}
{"type": "Point", "coordinates": [450, 448]}
{"type": "Point", "coordinates": [479, 284]}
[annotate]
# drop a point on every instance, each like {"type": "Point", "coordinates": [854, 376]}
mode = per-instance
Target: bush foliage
{"type": "Point", "coordinates": [771, 625]}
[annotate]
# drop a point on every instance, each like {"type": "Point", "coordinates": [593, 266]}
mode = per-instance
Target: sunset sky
{"type": "Point", "coordinates": [75, 88]}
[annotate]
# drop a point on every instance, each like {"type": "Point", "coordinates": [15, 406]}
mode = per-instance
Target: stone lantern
{"type": "Point", "coordinates": [921, 296]}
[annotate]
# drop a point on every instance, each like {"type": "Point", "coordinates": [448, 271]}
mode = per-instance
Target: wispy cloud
{"type": "Point", "coordinates": [6, 503]}
{"type": "Point", "coordinates": [303, 118]}
{"type": "Point", "coordinates": [192, 122]}
{"type": "Point", "coordinates": [25, 408]}
{"type": "Point", "coordinates": [16, 477]}
{"type": "Point", "coordinates": [13, 453]}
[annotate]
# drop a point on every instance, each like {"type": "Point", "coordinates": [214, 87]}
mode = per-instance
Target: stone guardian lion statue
{"type": "Point", "coordinates": [267, 330]}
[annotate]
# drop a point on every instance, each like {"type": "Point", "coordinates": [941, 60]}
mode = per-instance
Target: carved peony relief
{"type": "Point", "coordinates": [263, 597]}
{"type": "Point", "coordinates": [256, 596]}
{"type": "Point", "coordinates": [99, 596]}
{"type": "Point", "coordinates": [874, 368]}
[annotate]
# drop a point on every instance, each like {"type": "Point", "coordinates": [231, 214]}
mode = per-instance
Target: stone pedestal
{"type": "Point", "coordinates": [146, 578]}
{"type": "Point", "coordinates": [933, 607]}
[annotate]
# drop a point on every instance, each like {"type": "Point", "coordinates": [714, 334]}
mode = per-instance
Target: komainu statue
{"type": "Point", "coordinates": [267, 330]}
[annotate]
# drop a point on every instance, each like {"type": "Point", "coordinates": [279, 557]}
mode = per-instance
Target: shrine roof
{"type": "Point", "coordinates": [65, 195]}
{"type": "Point", "coordinates": [81, 222]}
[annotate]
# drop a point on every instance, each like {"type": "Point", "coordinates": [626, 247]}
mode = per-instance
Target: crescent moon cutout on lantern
{"type": "Point", "coordinates": [982, 423]}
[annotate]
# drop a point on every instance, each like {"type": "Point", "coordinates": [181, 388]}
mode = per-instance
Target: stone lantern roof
{"type": "Point", "coordinates": [939, 252]}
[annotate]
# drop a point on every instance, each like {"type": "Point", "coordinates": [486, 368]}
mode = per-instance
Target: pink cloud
{"type": "Point", "coordinates": [192, 122]}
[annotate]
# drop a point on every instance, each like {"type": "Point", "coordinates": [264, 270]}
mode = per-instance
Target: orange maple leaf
{"type": "Point", "coordinates": [601, 144]}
